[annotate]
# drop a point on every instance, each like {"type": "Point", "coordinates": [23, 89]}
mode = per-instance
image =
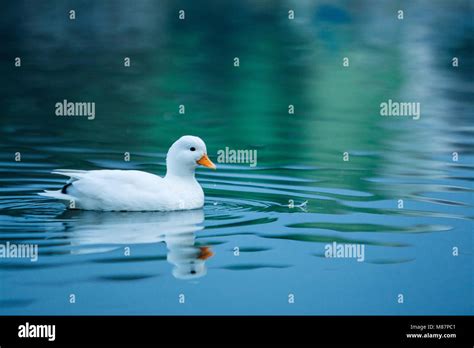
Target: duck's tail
{"type": "Point", "coordinates": [58, 194]}
{"type": "Point", "coordinates": [63, 193]}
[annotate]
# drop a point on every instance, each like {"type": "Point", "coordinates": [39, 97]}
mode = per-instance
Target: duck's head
{"type": "Point", "coordinates": [186, 154]}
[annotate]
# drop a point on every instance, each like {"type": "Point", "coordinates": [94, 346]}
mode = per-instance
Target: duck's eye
{"type": "Point", "coordinates": [193, 149]}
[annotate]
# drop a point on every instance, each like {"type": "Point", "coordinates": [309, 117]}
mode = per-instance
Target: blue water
{"type": "Point", "coordinates": [140, 263]}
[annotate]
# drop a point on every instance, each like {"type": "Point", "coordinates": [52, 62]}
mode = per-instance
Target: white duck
{"type": "Point", "coordinates": [133, 190]}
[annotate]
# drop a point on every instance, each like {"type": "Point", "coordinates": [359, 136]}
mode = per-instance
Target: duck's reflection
{"type": "Point", "coordinates": [92, 231]}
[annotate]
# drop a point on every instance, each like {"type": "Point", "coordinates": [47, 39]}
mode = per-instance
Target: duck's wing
{"type": "Point", "coordinates": [108, 189]}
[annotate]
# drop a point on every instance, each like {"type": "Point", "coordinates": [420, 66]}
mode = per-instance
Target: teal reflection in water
{"type": "Point", "coordinates": [250, 246]}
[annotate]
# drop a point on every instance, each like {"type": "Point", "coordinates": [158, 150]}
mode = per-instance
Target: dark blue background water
{"type": "Point", "coordinates": [407, 251]}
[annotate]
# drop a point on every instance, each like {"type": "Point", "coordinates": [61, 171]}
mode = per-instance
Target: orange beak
{"type": "Point", "coordinates": [206, 162]}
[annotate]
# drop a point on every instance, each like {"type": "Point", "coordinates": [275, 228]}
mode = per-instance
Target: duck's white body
{"type": "Point", "coordinates": [132, 190]}
{"type": "Point", "coordinates": [129, 190]}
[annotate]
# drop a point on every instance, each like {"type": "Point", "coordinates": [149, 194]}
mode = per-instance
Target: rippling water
{"type": "Point", "coordinates": [281, 214]}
